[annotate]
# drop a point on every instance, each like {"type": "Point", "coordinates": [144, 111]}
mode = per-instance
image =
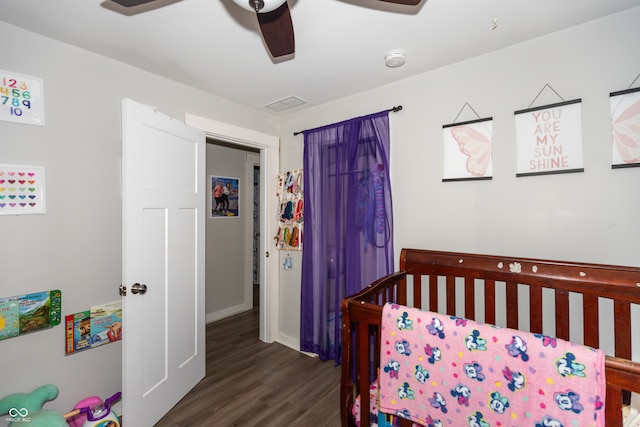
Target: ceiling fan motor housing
{"type": "Point", "coordinates": [257, 4]}
{"type": "Point", "coordinates": [260, 6]}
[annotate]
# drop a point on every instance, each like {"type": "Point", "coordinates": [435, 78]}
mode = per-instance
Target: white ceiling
{"type": "Point", "coordinates": [214, 45]}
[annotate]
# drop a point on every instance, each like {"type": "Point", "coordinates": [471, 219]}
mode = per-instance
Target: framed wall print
{"type": "Point", "coordinates": [225, 193]}
{"type": "Point", "coordinates": [549, 139]}
{"type": "Point", "coordinates": [21, 190]}
{"type": "Point", "coordinates": [467, 150]}
{"type": "Point", "coordinates": [625, 128]}
{"type": "Point", "coordinates": [21, 99]}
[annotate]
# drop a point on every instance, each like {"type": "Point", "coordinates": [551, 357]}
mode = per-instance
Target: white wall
{"type": "Point", "coordinates": [76, 245]}
{"type": "Point", "coordinates": [590, 216]}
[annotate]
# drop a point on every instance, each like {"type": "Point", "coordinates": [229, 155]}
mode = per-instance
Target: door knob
{"type": "Point", "coordinates": [137, 288]}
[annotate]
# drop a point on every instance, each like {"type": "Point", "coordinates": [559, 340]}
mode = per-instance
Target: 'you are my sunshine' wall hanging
{"type": "Point", "coordinates": [549, 139]}
{"type": "Point", "coordinates": [21, 190]}
{"type": "Point", "coordinates": [21, 99]}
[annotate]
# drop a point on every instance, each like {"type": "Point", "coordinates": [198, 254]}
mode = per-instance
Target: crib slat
{"type": "Point", "coordinates": [590, 320]}
{"type": "Point", "coordinates": [363, 363]}
{"type": "Point", "coordinates": [490, 301]}
{"type": "Point", "coordinates": [393, 294]}
{"type": "Point", "coordinates": [622, 328]}
{"type": "Point", "coordinates": [433, 293]}
{"type": "Point", "coordinates": [451, 295]}
{"type": "Point", "coordinates": [535, 309]}
{"type": "Point", "coordinates": [612, 413]}
{"type": "Point", "coordinates": [512, 305]}
{"type": "Point", "coordinates": [401, 292]}
{"type": "Point", "coordinates": [469, 298]}
{"type": "Point", "coordinates": [387, 296]}
{"type": "Point", "coordinates": [417, 290]}
{"type": "Point", "coordinates": [562, 314]}
{"type": "Point", "coordinates": [346, 387]}
{"type": "Point", "coordinates": [405, 423]}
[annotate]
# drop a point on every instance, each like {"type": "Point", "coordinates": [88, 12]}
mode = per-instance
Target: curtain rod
{"type": "Point", "coordinates": [392, 109]}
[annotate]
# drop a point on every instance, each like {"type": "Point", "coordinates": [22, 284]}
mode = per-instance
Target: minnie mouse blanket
{"type": "Point", "coordinates": [438, 370]}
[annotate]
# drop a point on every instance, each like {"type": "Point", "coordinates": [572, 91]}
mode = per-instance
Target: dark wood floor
{"type": "Point", "coordinates": [251, 383]}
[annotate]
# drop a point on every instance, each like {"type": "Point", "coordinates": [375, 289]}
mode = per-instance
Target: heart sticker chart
{"type": "Point", "coordinates": [21, 190]}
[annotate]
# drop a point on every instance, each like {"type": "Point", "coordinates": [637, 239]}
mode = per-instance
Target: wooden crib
{"type": "Point", "coordinates": [487, 289]}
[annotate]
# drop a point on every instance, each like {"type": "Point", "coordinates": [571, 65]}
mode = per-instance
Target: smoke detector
{"type": "Point", "coordinates": [395, 58]}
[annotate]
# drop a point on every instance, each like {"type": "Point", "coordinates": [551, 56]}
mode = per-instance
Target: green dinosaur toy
{"type": "Point", "coordinates": [26, 408]}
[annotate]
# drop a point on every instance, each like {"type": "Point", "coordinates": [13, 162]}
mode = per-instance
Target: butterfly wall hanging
{"type": "Point", "coordinates": [467, 150]}
{"type": "Point", "coordinates": [625, 128]}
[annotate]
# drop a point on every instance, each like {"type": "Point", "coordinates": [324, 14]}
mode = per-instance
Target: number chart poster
{"type": "Point", "coordinates": [467, 150]}
{"type": "Point", "coordinates": [21, 99]}
{"type": "Point", "coordinates": [21, 190]}
{"type": "Point", "coordinates": [549, 139]}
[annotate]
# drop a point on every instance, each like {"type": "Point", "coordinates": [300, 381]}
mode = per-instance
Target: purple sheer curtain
{"type": "Point", "coordinates": [348, 223]}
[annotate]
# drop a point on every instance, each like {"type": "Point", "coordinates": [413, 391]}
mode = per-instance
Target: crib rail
{"type": "Point", "coordinates": [426, 275]}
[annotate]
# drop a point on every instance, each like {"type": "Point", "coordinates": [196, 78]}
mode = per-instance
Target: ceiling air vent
{"type": "Point", "coordinates": [285, 103]}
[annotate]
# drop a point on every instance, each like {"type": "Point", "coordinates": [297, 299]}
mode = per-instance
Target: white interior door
{"type": "Point", "coordinates": [163, 170]}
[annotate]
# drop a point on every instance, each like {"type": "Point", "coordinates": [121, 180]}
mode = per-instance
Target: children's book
{"type": "Point", "coordinates": [78, 332]}
{"type": "Point", "coordinates": [9, 319]}
{"type": "Point", "coordinates": [27, 313]}
{"type": "Point", "coordinates": [100, 325]}
{"type": "Point", "coordinates": [106, 323]}
{"type": "Point", "coordinates": [69, 332]}
{"type": "Point", "coordinates": [34, 311]}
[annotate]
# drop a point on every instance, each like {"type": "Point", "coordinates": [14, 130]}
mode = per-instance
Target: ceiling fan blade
{"type": "Point", "coordinates": [277, 30]}
{"type": "Point", "coordinates": [407, 2]}
{"type": "Point", "coordinates": [131, 3]}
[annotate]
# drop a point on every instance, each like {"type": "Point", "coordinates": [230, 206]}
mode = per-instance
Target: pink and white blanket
{"type": "Point", "coordinates": [438, 370]}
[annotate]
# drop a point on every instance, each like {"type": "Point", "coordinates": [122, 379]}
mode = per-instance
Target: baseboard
{"type": "Point", "coordinates": [227, 312]}
{"type": "Point", "coordinates": [288, 341]}
{"type": "Point", "coordinates": [292, 342]}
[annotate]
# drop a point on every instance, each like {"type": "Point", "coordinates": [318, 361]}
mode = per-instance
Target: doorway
{"type": "Point", "coordinates": [269, 147]}
{"type": "Point", "coordinates": [233, 217]}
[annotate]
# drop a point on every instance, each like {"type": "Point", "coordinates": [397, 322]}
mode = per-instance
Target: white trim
{"type": "Point", "coordinates": [227, 312]}
{"type": "Point", "coordinates": [293, 344]}
{"type": "Point", "coordinates": [231, 133]}
{"type": "Point", "coordinates": [288, 341]}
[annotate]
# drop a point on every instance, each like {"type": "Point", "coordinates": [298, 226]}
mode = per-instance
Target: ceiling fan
{"type": "Point", "coordinates": [274, 19]}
